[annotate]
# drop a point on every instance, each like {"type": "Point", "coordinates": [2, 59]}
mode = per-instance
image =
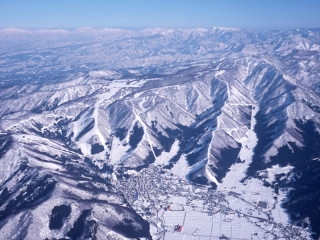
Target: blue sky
{"type": "Point", "coordinates": [247, 14]}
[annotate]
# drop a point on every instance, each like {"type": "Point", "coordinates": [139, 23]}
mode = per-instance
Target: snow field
{"type": "Point", "coordinates": [181, 168]}
{"type": "Point", "coordinates": [200, 225]}
{"type": "Point", "coordinates": [165, 157]}
{"type": "Point", "coordinates": [173, 218]}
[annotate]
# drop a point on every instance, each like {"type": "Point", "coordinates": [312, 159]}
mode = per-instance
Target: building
{"type": "Point", "coordinates": [178, 228]}
{"type": "Point", "coordinates": [262, 204]}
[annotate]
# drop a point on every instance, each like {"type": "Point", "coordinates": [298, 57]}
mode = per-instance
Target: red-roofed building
{"type": "Point", "coordinates": [178, 228]}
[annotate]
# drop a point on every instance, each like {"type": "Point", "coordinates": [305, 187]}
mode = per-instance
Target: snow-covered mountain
{"type": "Point", "coordinates": [85, 114]}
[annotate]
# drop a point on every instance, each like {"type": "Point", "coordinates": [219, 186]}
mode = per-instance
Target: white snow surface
{"type": "Point", "coordinates": [165, 157]}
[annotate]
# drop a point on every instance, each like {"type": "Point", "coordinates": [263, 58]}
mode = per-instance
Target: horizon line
{"type": "Point", "coordinates": [137, 28]}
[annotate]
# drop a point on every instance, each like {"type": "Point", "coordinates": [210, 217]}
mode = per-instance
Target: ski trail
{"type": "Point", "coordinates": [209, 172]}
{"type": "Point", "coordinates": [145, 129]}
{"type": "Point", "coordinates": [238, 170]}
{"type": "Point", "coordinates": [113, 88]}
{"type": "Point", "coordinates": [250, 141]}
{"type": "Point", "coordinates": [227, 84]}
{"type": "Point", "coordinates": [96, 117]}
{"type": "Point", "coordinates": [101, 99]}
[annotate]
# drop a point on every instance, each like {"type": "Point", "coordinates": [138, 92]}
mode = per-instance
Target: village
{"type": "Point", "coordinates": [178, 209]}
